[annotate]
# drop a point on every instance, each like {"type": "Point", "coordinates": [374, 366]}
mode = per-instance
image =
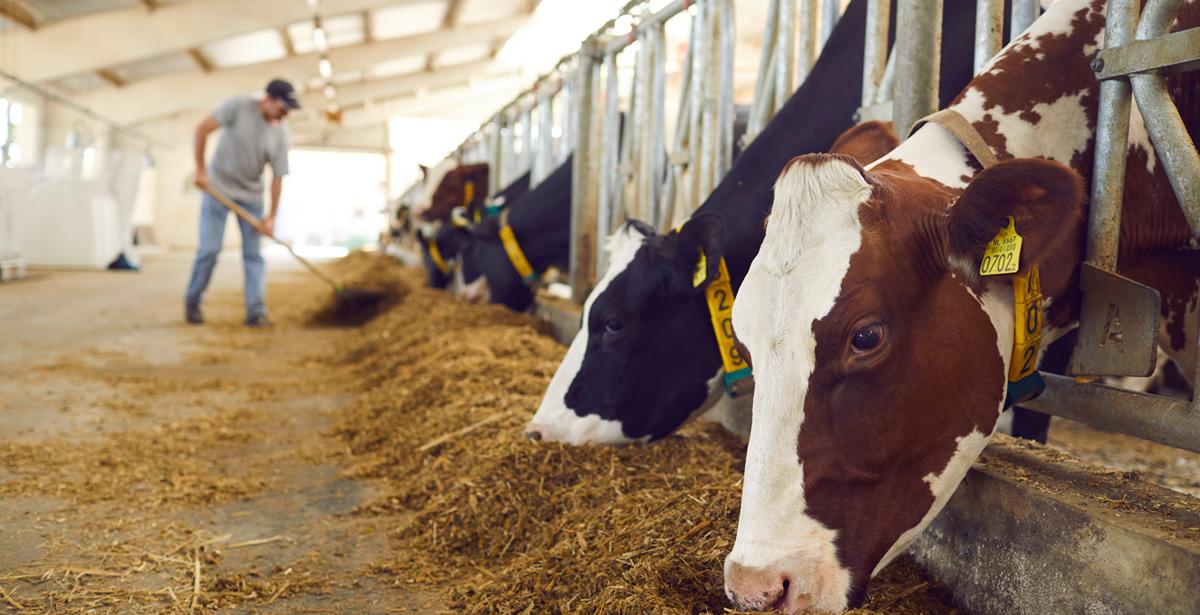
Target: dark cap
{"type": "Point", "coordinates": [283, 92]}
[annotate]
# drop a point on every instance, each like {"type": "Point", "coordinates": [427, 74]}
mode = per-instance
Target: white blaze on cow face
{"type": "Point", "coordinates": [433, 179]}
{"type": "Point", "coordinates": [812, 232]}
{"type": "Point", "coordinates": [556, 422]}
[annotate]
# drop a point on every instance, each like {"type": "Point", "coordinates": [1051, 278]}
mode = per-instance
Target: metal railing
{"type": "Point", "coordinates": [1139, 54]}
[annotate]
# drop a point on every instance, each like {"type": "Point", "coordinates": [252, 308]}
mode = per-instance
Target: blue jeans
{"type": "Point", "coordinates": [212, 235]}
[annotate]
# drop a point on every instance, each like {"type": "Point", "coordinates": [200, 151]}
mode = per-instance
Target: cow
{"type": "Point", "coordinates": [540, 222]}
{"type": "Point", "coordinates": [646, 358]}
{"type": "Point", "coordinates": [881, 354]}
{"type": "Point", "coordinates": [443, 244]}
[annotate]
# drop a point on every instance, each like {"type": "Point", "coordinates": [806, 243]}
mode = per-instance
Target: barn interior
{"type": "Point", "coordinates": [356, 438]}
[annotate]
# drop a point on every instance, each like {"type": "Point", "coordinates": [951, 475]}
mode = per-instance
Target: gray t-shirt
{"type": "Point", "coordinates": [246, 144]}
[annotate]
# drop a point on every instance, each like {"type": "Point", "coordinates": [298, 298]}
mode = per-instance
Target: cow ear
{"type": "Point", "coordinates": [704, 232]}
{"type": "Point", "coordinates": [424, 171]}
{"type": "Point", "coordinates": [1044, 198]}
{"type": "Point", "coordinates": [866, 142]}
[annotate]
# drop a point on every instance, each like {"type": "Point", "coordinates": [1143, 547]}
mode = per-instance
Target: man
{"type": "Point", "coordinates": [253, 134]}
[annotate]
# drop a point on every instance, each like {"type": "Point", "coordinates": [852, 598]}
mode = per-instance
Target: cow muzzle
{"type": "Point", "coordinates": [781, 587]}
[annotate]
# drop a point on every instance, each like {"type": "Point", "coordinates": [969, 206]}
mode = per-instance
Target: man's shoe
{"type": "Point", "coordinates": [258, 320]}
{"type": "Point", "coordinates": [193, 315]}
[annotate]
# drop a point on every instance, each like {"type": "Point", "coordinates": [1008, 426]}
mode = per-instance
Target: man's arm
{"type": "Point", "coordinates": [268, 222]}
{"type": "Point", "coordinates": [207, 127]}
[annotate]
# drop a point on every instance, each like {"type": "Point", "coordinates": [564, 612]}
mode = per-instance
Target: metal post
{"type": "Point", "coordinates": [1112, 145]}
{"type": "Point", "coordinates": [785, 53]}
{"type": "Point", "coordinates": [609, 189]}
{"type": "Point", "coordinates": [526, 163]}
{"type": "Point", "coordinates": [1024, 13]}
{"type": "Point", "coordinates": [831, 12]}
{"type": "Point", "coordinates": [764, 88]}
{"type": "Point", "coordinates": [583, 252]}
{"type": "Point", "coordinates": [918, 59]}
{"type": "Point", "coordinates": [989, 31]}
{"type": "Point", "coordinates": [875, 48]}
{"type": "Point", "coordinates": [726, 35]}
{"type": "Point", "coordinates": [651, 171]}
{"type": "Point", "coordinates": [806, 44]}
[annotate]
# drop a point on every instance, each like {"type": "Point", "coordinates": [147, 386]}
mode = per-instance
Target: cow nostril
{"type": "Point", "coordinates": [534, 435]}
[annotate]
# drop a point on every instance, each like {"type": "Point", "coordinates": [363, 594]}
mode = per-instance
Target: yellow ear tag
{"type": "Point", "coordinates": [1003, 252]}
{"type": "Point", "coordinates": [701, 271]}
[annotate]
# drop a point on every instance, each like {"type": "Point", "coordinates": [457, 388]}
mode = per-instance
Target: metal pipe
{"type": "Point", "coordinates": [696, 96]}
{"type": "Point", "coordinates": [658, 99]}
{"type": "Point", "coordinates": [809, 37]}
{"type": "Point", "coordinates": [989, 31]}
{"type": "Point", "coordinates": [875, 48]}
{"type": "Point", "coordinates": [831, 12]}
{"type": "Point", "coordinates": [727, 33]}
{"type": "Point", "coordinates": [764, 85]}
{"type": "Point", "coordinates": [1112, 146]}
{"type": "Point", "coordinates": [609, 147]}
{"type": "Point", "coordinates": [1024, 13]}
{"type": "Point", "coordinates": [650, 21]}
{"type": "Point", "coordinates": [785, 54]}
{"type": "Point", "coordinates": [919, 52]}
{"type": "Point", "coordinates": [526, 163]}
{"type": "Point", "coordinates": [582, 253]}
{"type": "Point", "coordinates": [1150, 417]}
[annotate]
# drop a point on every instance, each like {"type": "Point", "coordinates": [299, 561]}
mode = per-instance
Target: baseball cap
{"type": "Point", "coordinates": [283, 91]}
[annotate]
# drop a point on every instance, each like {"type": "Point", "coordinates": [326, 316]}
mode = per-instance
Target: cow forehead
{"type": "Point", "coordinates": [812, 231]}
{"type": "Point", "coordinates": [436, 175]}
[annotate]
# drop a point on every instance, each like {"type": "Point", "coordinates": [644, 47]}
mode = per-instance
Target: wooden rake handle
{"type": "Point", "coordinates": [257, 224]}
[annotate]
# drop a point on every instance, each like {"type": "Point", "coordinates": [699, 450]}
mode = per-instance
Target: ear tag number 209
{"type": "Point", "coordinates": [1003, 252]}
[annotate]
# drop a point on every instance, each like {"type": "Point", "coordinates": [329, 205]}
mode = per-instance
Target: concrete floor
{"type": "Point", "coordinates": [97, 372]}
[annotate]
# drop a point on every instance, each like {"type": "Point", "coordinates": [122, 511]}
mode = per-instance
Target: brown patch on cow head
{"type": "Point", "coordinates": [452, 191]}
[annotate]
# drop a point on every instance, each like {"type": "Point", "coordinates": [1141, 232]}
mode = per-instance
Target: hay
{"type": "Point", "coordinates": [507, 525]}
{"type": "Point", "coordinates": [371, 272]}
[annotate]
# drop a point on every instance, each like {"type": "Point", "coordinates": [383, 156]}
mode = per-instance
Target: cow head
{"type": "Point", "coordinates": [880, 361]}
{"type": "Point", "coordinates": [644, 359]}
{"type": "Point", "coordinates": [459, 186]}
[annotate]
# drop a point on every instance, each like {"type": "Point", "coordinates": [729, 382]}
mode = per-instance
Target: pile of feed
{"type": "Point", "coordinates": [369, 290]}
{"type": "Point", "coordinates": [505, 524]}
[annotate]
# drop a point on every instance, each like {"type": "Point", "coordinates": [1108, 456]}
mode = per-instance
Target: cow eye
{"type": "Point", "coordinates": [613, 326]}
{"type": "Point", "coordinates": [867, 338]}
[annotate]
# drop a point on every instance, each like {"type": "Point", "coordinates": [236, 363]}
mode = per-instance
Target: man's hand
{"type": "Point", "coordinates": [267, 226]}
{"type": "Point", "coordinates": [201, 180]}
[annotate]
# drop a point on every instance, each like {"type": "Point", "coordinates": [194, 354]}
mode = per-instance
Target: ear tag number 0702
{"type": "Point", "coordinates": [1003, 252]}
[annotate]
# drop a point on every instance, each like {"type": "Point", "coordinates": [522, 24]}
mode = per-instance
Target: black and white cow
{"type": "Point", "coordinates": [645, 359]}
{"type": "Point", "coordinates": [541, 223]}
{"type": "Point", "coordinates": [453, 238]}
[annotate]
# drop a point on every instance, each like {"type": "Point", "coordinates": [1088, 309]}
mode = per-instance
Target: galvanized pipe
{"type": "Point", "coordinates": [1112, 146]}
{"type": "Point", "coordinates": [649, 21]}
{"type": "Point", "coordinates": [989, 31]}
{"type": "Point", "coordinates": [919, 52]}
{"type": "Point", "coordinates": [610, 192]}
{"type": "Point", "coordinates": [583, 252]}
{"type": "Point", "coordinates": [1024, 13]}
{"type": "Point", "coordinates": [831, 12]}
{"type": "Point", "coordinates": [654, 158]}
{"type": "Point", "coordinates": [764, 86]}
{"type": "Point", "coordinates": [807, 41]}
{"type": "Point", "coordinates": [875, 48]}
{"type": "Point", "coordinates": [785, 54]}
{"type": "Point", "coordinates": [1159, 419]}
{"type": "Point", "coordinates": [726, 35]}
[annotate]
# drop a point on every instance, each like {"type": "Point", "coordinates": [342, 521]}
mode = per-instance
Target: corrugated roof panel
{"type": "Point", "coordinates": [155, 66]}
{"type": "Point", "coordinates": [339, 31]}
{"type": "Point", "coordinates": [408, 20]}
{"type": "Point", "coordinates": [249, 48]}
{"type": "Point", "coordinates": [480, 11]}
{"type": "Point", "coordinates": [399, 66]}
{"type": "Point", "coordinates": [463, 55]}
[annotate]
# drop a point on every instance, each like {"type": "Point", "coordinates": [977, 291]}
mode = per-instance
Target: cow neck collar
{"type": "Point", "coordinates": [516, 256]}
{"type": "Point", "coordinates": [436, 255]}
{"type": "Point", "coordinates": [1024, 380]}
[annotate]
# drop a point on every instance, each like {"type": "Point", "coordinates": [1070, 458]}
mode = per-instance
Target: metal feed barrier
{"type": "Point", "coordinates": [1139, 53]}
{"type": "Point", "coordinates": [630, 168]}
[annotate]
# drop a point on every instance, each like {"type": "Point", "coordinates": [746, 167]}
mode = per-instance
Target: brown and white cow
{"type": "Point", "coordinates": [880, 354]}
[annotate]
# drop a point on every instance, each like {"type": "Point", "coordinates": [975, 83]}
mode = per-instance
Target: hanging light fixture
{"type": "Point", "coordinates": [326, 67]}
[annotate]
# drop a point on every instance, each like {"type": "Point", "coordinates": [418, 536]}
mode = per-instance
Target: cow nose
{"type": "Point", "coordinates": [763, 589]}
{"type": "Point", "coordinates": [533, 434]}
